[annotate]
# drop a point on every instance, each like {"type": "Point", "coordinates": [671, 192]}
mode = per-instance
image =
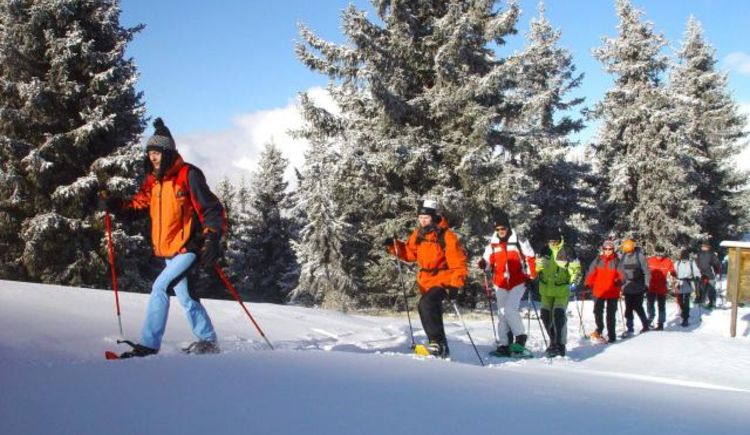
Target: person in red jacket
{"type": "Point", "coordinates": [661, 267]}
{"type": "Point", "coordinates": [512, 263]}
{"type": "Point", "coordinates": [604, 279]}
{"type": "Point", "coordinates": [442, 270]}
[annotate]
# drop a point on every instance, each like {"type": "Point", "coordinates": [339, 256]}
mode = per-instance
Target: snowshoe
{"type": "Point", "coordinates": [517, 350]}
{"type": "Point", "coordinates": [502, 351]}
{"type": "Point", "coordinates": [138, 351]}
{"type": "Point", "coordinates": [202, 347]}
{"type": "Point", "coordinates": [421, 350]}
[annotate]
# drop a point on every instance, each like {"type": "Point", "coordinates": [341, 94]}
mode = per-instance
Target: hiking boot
{"type": "Point", "coordinates": [660, 327]}
{"type": "Point", "coordinates": [627, 334]}
{"type": "Point", "coordinates": [138, 351]}
{"type": "Point", "coordinates": [439, 350]}
{"type": "Point", "coordinates": [710, 306]}
{"type": "Point", "coordinates": [612, 339]}
{"type": "Point", "coordinates": [645, 329]}
{"type": "Point", "coordinates": [202, 347]}
{"type": "Point", "coordinates": [502, 351]}
{"type": "Point", "coordinates": [684, 323]}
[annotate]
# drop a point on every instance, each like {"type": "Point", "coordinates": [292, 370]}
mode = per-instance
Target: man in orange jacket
{"type": "Point", "coordinates": [442, 270]}
{"type": "Point", "coordinates": [187, 221]}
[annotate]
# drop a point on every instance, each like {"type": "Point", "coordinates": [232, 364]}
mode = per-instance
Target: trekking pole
{"type": "Point", "coordinates": [536, 313]}
{"type": "Point", "coordinates": [237, 297]}
{"type": "Point", "coordinates": [489, 305]}
{"type": "Point", "coordinates": [111, 249]}
{"type": "Point", "coordinates": [580, 317]}
{"type": "Point", "coordinates": [403, 290]}
{"type": "Point", "coordinates": [455, 307]}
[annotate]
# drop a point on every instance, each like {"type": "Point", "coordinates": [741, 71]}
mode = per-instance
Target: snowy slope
{"type": "Point", "coordinates": [338, 374]}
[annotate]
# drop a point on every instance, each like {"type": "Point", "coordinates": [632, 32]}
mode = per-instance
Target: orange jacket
{"type": "Point", "coordinates": [181, 206]}
{"type": "Point", "coordinates": [604, 278]}
{"type": "Point", "coordinates": [438, 267]}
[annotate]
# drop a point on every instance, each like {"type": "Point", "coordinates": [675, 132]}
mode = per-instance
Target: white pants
{"type": "Point", "coordinates": [508, 317]}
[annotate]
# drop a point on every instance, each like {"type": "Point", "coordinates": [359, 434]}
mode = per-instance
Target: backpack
{"type": "Point", "coordinates": [633, 270]}
{"type": "Point", "coordinates": [182, 181]}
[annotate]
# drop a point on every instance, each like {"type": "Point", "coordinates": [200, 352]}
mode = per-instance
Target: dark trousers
{"type": "Point", "coordinates": [634, 303]}
{"type": "Point", "coordinates": [611, 316]}
{"type": "Point", "coordinates": [704, 289]}
{"type": "Point", "coordinates": [431, 314]}
{"type": "Point", "coordinates": [684, 300]}
{"type": "Point", "coordinates": [653, 299]}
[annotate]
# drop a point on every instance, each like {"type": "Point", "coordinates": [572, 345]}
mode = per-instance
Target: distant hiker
{"type": "Point", "coordinates": [636, 275]}
{"type": "Point", "coordinates": [687, 274]}
{"type": "Point", "coordinates": [710, 266]}
{"type": "Point", "coordinates": [557, 268]}
{"type": "Point", "coordinates": [604, 279]}
{"type": "Point", "coordinates": [661, 267]}
{"type": "Point", "coordinates": [511, 260]}
{"type": "Point", "coordinates": [442, 270]}
{"type": "Point", "coordinates": [187, 221]}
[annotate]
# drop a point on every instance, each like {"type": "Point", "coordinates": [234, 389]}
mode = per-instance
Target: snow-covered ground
{"type": "Point", "coordinates": [349, 374]}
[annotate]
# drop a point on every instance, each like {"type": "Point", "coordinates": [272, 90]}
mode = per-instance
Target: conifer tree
{"type": "Point", "coordinates": [640, 148]}
{"type": "Point", "coordinates": [713, 134]}
{"type": "Point", "coordinates": [424, 113]}
{"type": "Point", "coordinates": [324, 270]}
{"type": "Point", "coordinates": [270, 260]}
{"type": "Point", "coordinates": [69, 119]}
{"type": "Point", "coordinates": [546, 74]}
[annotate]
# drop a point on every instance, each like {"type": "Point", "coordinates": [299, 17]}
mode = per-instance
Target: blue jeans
{"type": "Point", "coordinates": [158, 304]}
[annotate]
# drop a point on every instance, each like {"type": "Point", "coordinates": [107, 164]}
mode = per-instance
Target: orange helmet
{"type": "Point", "coordinates": [628, 245]}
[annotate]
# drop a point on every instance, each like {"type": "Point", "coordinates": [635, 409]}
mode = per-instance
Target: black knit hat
{"type": "Point", "coordinates": [501, 219]}
{"type": "Point", "coordinates": [552, 233]}
{"type": "Point", "coordinates": [162, 139]}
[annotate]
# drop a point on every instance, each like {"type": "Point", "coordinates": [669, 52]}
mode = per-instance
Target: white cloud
{"type": "Point", "coordinates": [743, 160]}
{"type": "Point", "coordinates": [738, 61]}
{"type": "Point", "coordinates": [235, 152]}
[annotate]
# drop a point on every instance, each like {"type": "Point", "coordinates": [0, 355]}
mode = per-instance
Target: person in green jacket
{"type": "Point", "coordinates": [558, 269]}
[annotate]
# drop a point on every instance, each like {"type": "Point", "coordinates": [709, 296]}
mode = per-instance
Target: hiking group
{"type": "Point", "coordinates": [515, 269]}
{"type": "Point", "coordinates": [187, 222]}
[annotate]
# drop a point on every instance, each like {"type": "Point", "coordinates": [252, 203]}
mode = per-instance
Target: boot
{"type": "Point", "coordinates": [202, 347]}
{"type": "Point", "coordinates": [502, 351]}
{"type": "Point", "coordinates": [138, 351]}
{"type": "Point", "coordinates": [439, 350]}
{"type": "Point", "coordinates": [660, 327]}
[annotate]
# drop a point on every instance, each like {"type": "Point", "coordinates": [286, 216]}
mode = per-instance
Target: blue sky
{"type": "Point", "coordinates": [224, 77]}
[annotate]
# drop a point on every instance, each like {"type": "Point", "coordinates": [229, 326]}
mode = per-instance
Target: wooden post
{"type": "Point", "coordinates": [735, 290]}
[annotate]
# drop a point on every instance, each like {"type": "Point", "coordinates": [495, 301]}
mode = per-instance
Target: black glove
{"type": "Point", "coordinates": [482, 264]}
{"type": "Point", "coordinates": [109, 203]}
{"type": "Point", "coordinates": [388, 241]}
{"type": "Point", "coordinates": [211, 250]}
{"type": "Point", "coordinates": [452, 293]}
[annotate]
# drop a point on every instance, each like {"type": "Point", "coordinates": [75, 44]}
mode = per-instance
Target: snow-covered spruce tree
{"type": "Point", "coordinates": [69, 116]}
{"type": "Point", "coordinates": [271, 264]}
{"type": "Point", "coordinates": [423, 114]}
{"type": "Point", "coordinates": [714, 134]}
{"type": "Point", "coordinates": [237, 238]}
{"type": "Point", "coordinates": [640, 148]}
{"type": "Point", "coordinates": [324, 264]}
{"type": "Point", "coordinates": [546, 74]}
